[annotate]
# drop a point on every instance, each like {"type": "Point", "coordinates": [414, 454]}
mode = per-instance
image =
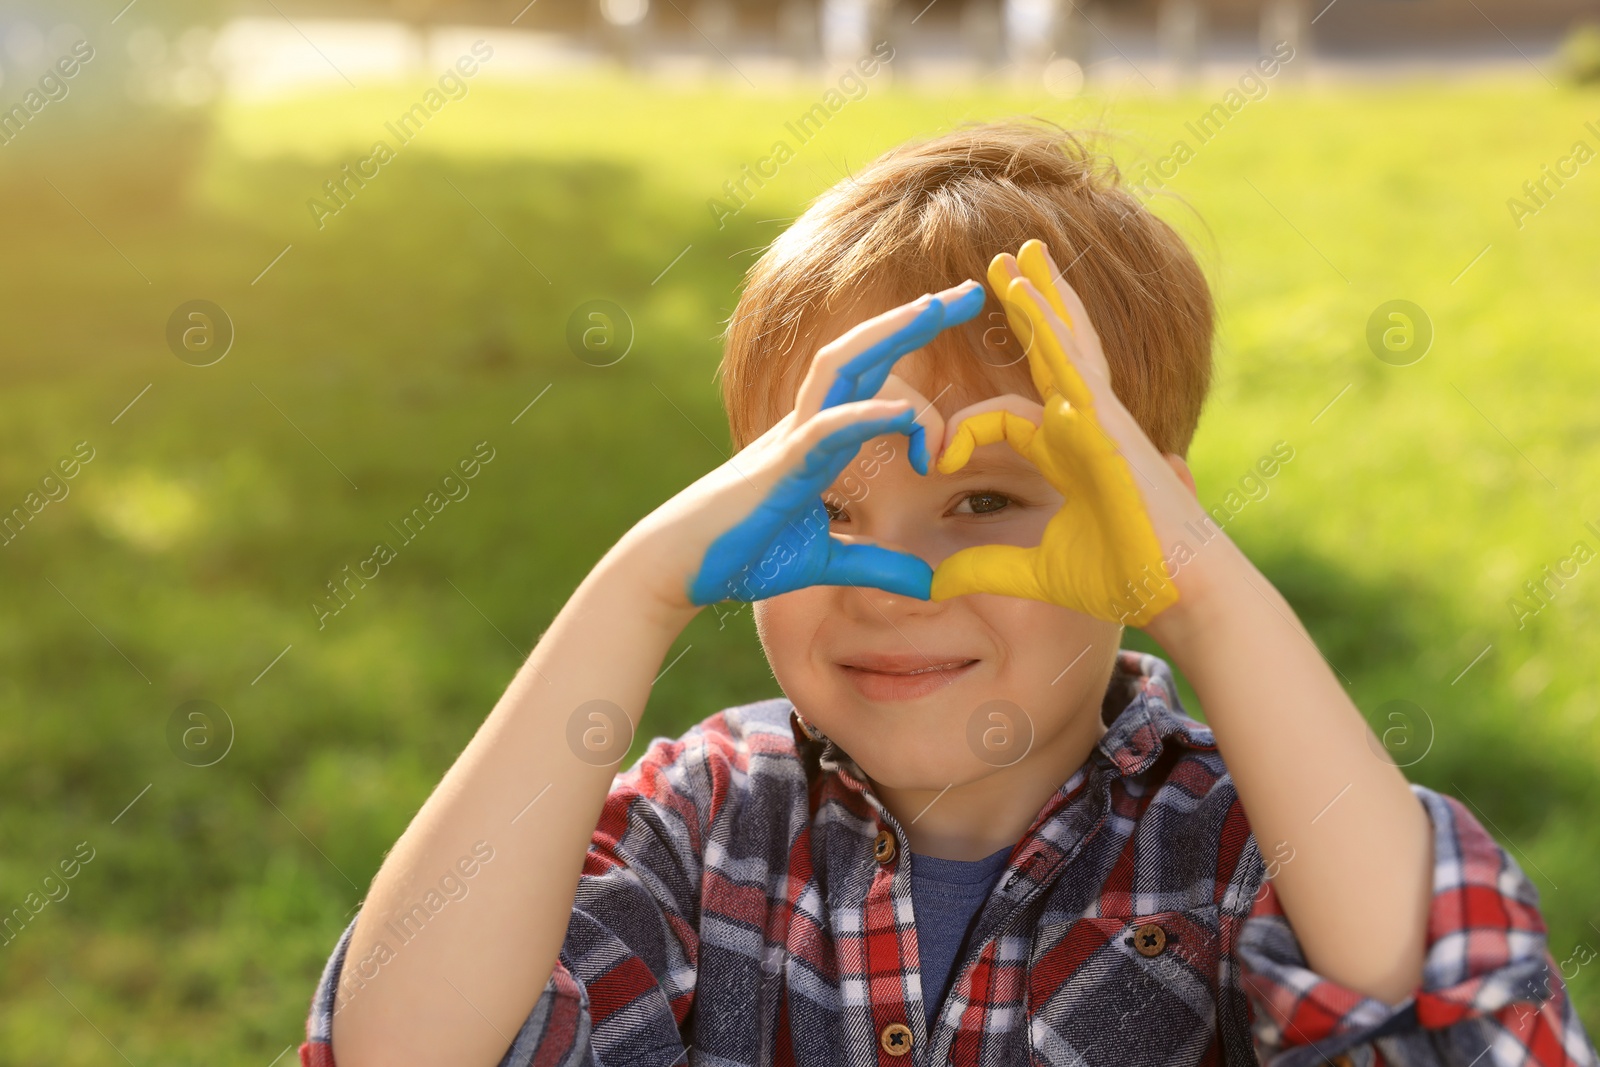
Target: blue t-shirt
{"type": "Point", "coordinates": [945, 897]}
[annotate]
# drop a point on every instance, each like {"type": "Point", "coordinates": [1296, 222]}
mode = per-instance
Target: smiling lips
{"type": "Point", "coordinates": [893, 678]}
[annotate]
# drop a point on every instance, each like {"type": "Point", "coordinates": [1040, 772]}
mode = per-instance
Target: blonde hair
{"type": "Point", "coordinates": [926, 215]}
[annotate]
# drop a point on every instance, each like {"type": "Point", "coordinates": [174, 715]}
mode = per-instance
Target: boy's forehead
{"type": "Point", "coordinates": [949, 393]}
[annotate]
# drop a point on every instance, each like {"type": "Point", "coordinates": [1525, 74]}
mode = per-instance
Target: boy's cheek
{"type": "Point", "coordinates": [1040, 639]}
{"type": "Point", "coordinates": [791, 613]}
{"type": "Point", "coordinates": [1021, 623]}
{"type": "Point", "coordinates": [778, 621]}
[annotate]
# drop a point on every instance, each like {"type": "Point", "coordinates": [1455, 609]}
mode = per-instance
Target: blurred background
{"type": "Point", "coordinates": [273, 271]}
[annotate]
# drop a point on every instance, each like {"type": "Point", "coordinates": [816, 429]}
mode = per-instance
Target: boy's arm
{"type": "Point", "coordinates": [1384, 895]}
{"type": "Point", "coordinates": [1397, 930]}
{"type": "Point", "coordinates": [1309, 773]}
{"type": "Point", "coordinates": [454, 992]}
{"type": "Point", "coordinates": [1491, 992]}
{"type": "Point", "coordinates": [628, 967]}
{"type": "Point", "coordinates": [1396, 917]}
{"type": "Point", "coordinates": [1295, 744]}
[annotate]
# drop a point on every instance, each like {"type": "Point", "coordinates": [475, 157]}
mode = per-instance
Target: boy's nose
{"type": "Point", "coordinates": [871, 605]}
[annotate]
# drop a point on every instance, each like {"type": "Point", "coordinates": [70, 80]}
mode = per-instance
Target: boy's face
{"type": "Point", "coordinates": [844, 654]}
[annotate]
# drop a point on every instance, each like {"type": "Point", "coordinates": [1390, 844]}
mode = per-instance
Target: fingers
{"type": "Point", "coordinates": [861, 376]}
{"type": "Point", "coordinates": [1034, 261]}
{"type": "Point", "coordinates": [854, 366]}
{"type": "Point", "coordinates": [1003, 269]}
{"type": "Point", "coordinates": [986, 428]}
{"type": "Point", "coordinates": [851, 436]}
{"type": "Point", "coordinates": [1055, 313]}
{"type": "Point", "coordinates": [879, 567]}
{"type": "Point", "coordinates": [1047, 351]}
{"type": "Point", "coordinates": [832, 438]}
{"type": "Point", "coordinates": [930, 424]}
{"type": "Point", "coordinates": [970, 437]}
{"type": "Point", "coordinates": [791, 511]}
{"type": "Point", "coordinates": [1009, 570]}
{"type": "Point", "coordinates": [1039, 267]}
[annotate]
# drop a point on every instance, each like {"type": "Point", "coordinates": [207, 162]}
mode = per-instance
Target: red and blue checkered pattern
{"type": "Point", "coordinates": [731, 911]}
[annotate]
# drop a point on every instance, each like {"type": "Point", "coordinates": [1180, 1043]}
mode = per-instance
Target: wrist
{"type": "Point", "coordinates": [1207, 582]}
{"type": "Point", "coordinates": [643, 580]}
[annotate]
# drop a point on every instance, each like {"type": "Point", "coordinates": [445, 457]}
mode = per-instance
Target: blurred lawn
{"type": "Point", "coordinates": [410, 328]}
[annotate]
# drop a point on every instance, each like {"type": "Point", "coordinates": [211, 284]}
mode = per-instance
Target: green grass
{"type": "Point", "coordinates": [408, 329]}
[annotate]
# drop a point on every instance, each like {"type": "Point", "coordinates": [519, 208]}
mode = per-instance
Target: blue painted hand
{"type": "Point", "coordinates": [784, 543]}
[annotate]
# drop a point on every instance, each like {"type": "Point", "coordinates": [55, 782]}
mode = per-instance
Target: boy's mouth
{"type": "Point", "coordinates": [890, 678]}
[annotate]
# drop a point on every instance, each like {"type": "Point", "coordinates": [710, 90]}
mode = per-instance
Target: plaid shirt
{"type": "Point", "coordinates": [740, 904]}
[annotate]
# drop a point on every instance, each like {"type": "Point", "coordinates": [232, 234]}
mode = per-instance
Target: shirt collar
{"type": "Point", "coordinates": [1142, 713]}
{"type": "Point", "coordinates": [1140, 708]}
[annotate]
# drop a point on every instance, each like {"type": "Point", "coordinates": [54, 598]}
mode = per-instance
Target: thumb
{"type": "Point", "coordinates": [879, 567]}
{"type": "Point", "coordinates": [1005, 569]}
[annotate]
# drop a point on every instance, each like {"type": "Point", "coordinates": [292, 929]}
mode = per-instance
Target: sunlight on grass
{"type": "Point", "coordinates": [432, 309]}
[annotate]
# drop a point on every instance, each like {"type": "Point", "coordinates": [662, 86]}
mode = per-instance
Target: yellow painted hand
{"type": "Point", "coordinates": [1099, 554]}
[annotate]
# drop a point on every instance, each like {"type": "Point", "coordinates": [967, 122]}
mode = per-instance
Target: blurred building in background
{"type": "Point", "coordinates": [991, 34]}
{"type": "Point", "coordinates": [187, 53]}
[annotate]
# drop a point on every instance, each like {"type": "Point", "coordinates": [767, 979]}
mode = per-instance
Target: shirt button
{"type": "Point", "coordinates": [895, 1039]}
{"type": "Point", "coordinates": [883, 849]}
{"type": "Point", "coordinates": [1150, 939]}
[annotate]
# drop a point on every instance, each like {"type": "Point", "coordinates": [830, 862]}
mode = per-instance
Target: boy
{"type": "Point", "coordinates": [973, 831]}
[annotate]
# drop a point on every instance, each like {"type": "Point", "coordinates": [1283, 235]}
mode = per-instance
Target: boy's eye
{"type": "Point", "coordinates": [984, 503]}
{"type": "Point", "coordinates": [979, 503]}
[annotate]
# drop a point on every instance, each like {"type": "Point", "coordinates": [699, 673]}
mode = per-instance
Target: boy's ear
{"type": "Point", "coordinates": [1177, 464]}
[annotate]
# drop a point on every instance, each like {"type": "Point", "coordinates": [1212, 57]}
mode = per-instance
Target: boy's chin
{"type": "Point", "coordinates": [902, 772]}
